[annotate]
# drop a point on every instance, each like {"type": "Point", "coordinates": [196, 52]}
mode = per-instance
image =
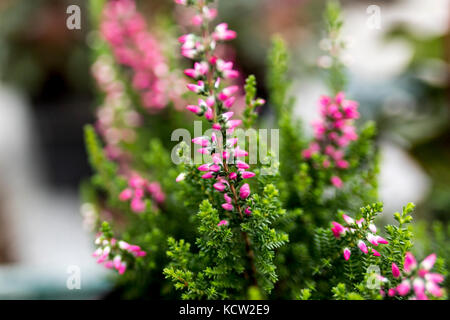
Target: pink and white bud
{"type": "Point", "coordinates": [347, 253]}
{"type": "Point", "coordinates": [362, 246]}
{"type": "Point", "coordinates": [372, 228]}
{"type": "Point", "coordinates": [180, 177]}
{"type": "Point", "coordinates": [428, 262]}
{"type": "Point", "coordinates": [410, 262]}
{"type": "Point", "coordinates": [219, 186]}
{"type": "Point", "coordinates": [403, 288]}
{"type": "Point", "coordinates": [221, 33]}
{"type": "Point", "coordinates": [348, 219]}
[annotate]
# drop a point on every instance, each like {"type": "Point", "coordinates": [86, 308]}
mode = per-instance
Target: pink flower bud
{"type": "Point", "coordinates": [227, 206]}
{"type": "Point", "coordinates": [193, 108]}
{"type": "Point", "coordinates": [137, 205]}
{"type": "Point", "coordinates": [202, 141]}
{"type": "Point", "coordinates": [222, 223]}
{"type": "Point", "coordinates": [244, 191]}
{"type": "Point", "coordinates": [232, 175]}
{"type": "Point", "coordinates": [126, 194]}
{"type": "Point", "coordinates": [348, 219]}
{"type": "Point", "coordinates": [336, 181]}
{"type": "Point", "coordinates": [395, 270]}
{"type": "Point", "coordinates": [362, 246]}
{"type": "Point", "coordinates": [375, 253]}
{"type": "Point", "coordinates": [428, 262]}
{"type": "Point", "coordinates": [208, 175]}
{"type": "Point", "coordinates": [347, 253]}
{"type": "Point", "coordinates": [248, 211]}
{"type": "Point", "coordinates": [242, 165]}
{"type": "Point", "coordinates": [247, 174]}
{"type": "Point", "coordinates": [410, 262]}
{"type": "Point", "coordinates": [219, 186]}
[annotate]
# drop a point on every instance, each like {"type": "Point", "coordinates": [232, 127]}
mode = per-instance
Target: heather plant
{"type": "Point", "coordinates": [302, 222]}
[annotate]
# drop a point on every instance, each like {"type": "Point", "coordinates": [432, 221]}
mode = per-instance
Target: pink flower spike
{"type": "Point", "coordinates": [244, 191]}
{"type": "Point", "coordinates": [227, 206]}
{"type": "Point", "coordinates": [395, 270]}
{"type": "Point", "coordinates": [247, 174]}
{"type": "Point", "coordinates": [362, 246]}
{"type": "Point", "coordinates": [222, 223]}
{"type": "Point", "coordinates": [126, 194]}
{"type": "Point", "coordinates": [410, 262]}
{"type": "Point", "coordinates": [428, 262]}
{"type": "Point", "coordinates": [347, 254]}
{"type": "Point", "coordinates": [219, 186]}
{"type": "Point", "coordinates": [348, 219]}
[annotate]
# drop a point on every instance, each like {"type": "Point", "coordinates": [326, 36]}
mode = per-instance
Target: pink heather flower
{"type": "Point", "coordinates": [336, 181]}
{"type": "Point", "coordinates": [244, 192]}
{"type": "Point", "coordinates": [337, 229]}
{"type": "Point", "coordinates": [229, 102]}
{"type": "Point", "coordinates": [372, 239]}
{"type": "Point", "coordinates": [193, 108]}
{"type": "Point", "coordinates": [196, 88]}
{"type": "Point", "coordinates": [362, 246]}
{"type": "Point", "coordinates": [381, 240]}
{"type": "Point", "coordinates": [203, 150]}
{"type": "Point", "coordinates": [372, 228]}
{"type": "Point", "coordinates": [126, 194]}
{"type": "Point", "coordinates": [240, 153]}
{"type": "Point", "coordinates": [137, 205]}
{"type": "Point", "coordinates": [403, 288]}
{"type": "Point", "coordinates": [375, 252]}
{"type": "Point", "coordinates": [219, 186]}
{"type": "Point", "coordinates": [347, 253]}
{"type": "Point", "coordinates": [410, 262]}
{"type": "Point", "coordinates": [202, 141]}
{"type": "Point", "coordinates": [434, 277]}
{"type": "Point", "coordinates": [242, 165]}
{"type": "Point", "coordinates": [359, 222]}
{"type": "Point", "coordinates": [428, 262]}
{"type": "Point", "coordinates": [182, 2]}
{"type": "Point", "coordinates": [391, 292]}
{"type": "Point", "coordinates": [248, 211]}
{"type": "Point", "coordinates": [228, 92]}
{"type": "Point", "coordinates": [228, 206]}
{"type": "Point", "coordinates": [222, 223]}
{"type": "Point", "coordinates": [434, 289]}
{"type": "Point", "coordinates": [348, 219]}
{"type": "Point", "coordinates": [232, 175]}
{"type": "Point", "coordinates": [247, 174]}
{"type": "Point", "coordinates": [222, 33]}
{"type": "Point", "coordinates": [208, 175]}
{"type": "Point", "coordinates": [395, 270]}
{"type": "Point", "coordinates": [227, 198]}
{"type": "Point", "coordinates": [204, 167]}
{"type": "Point", "coordinates": [214, 168]}
{"type": "Point", "coordinates": [419, 288]}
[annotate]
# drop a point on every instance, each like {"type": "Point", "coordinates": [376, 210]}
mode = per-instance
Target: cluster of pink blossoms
{"type": "Point", "coordinates": [420, 280]}
{"type": "Point", "coordinates": [333, 133]}
{"type": "Point", "coordinates": [359, 229]}
{"type": "Point", "coordinates": [138, 187]}
{"type": "Point", "coordinates": [209, 73]}
{"type": "Point", "coordinates": [125, 29]}
{"type": "Point", "coordinates": [114, 254]}
{"type": "Point", "coordinates": [116, 120]}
